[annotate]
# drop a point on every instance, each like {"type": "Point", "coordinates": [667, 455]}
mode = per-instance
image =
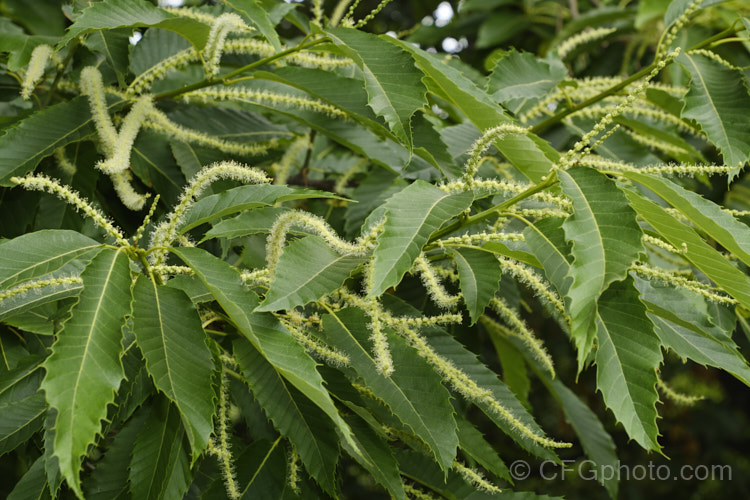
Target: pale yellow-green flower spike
{"type": "Point", "coordinates": [671, 33]}
{"type": "Point", "coordinates": [654, 273]}
{"type": "Point", "coordinates": [372, 13]}
{"type": "Point", "coordinates": [37, 285]}
{"type": "Point", "coordinates": [93, 88]}
{"type": "Point", "coordinates": [432, 284]}
{"type": "Point", "coordinates": [416, 493]}
{"type": "Point", "coordinates": [294, 474]}
{"type": "Point", "coordinates": [166, 232]}
{"type": "Point", "coordinates": [677, 397]}
{"type": "Point", "coordinates": [315, 347]}
{"type": "Point", "coordinates": [62, 161]}
{"type": "Point", "coordinates": [529, 278]}
{"type": "Point", "coordinates": [284, 166]}
{"type": "Point", "coordinates": [380, 348]}
{"type": "Point", "coordinates": [569, 44]}
{"type": "Point", "coordinates": [475, 478]}
{"type": "Point", "coordinates": [41, 182]}
{"type": "Point", "coordinates": [119, 161]}
{"type": "Point", "coordinates": [222, 449]}
{"type": "Point", "coordinates": [128, 196]}
{"type": "Point", "coordinates": [34, 72]}
{"type": "Point", "coordinates": [224, 24]}
{"type": "Point", "coordinates": [483, 144]}
{"type": "Point", "coordinates": [520, 330]}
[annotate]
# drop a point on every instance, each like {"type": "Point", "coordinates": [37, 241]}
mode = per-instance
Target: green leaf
{"type": "Point", "coordinates": [412, 215]}
{"type": "Point", "coordinates": [21, 420]}
{"type": "Point", "coordinates": [110, 481]}
{"type": "Point", "coordinates": [37, 136]}
{"type": "Point", "coordinates": [521, 75]}
{"type": "Point", "coordinates": [255, 221]}
{"type": "Point", "coordinates": [307, 271]}
{"type": "Point", "coordinates": [32, 485]}
{"type": "Point", "coordinates": [706, 215]}
{"type": "Point", "coordinates": [258, 17]}
{"type": "Point", "coordinates": [379, 459]}
{"type": "Point", "coordinates": [41, 252]}
{"type": "Point", "coordinates": [473, 443]}
{"type": "Point", "coordinates": [414, 392]}
{"type": "Point", "coordinates": [159, 465]}
{"type": "Point", "coordinates": [168, 331]}
{"type": "Point", "coordinates": [532, 156]}
{"type": "Point", "coordinates": [114, 46]}
{"type": "Point", "coordinates": [152, 162]}
{"type": "Point", "coordinates": [393, 83]}
{"type": "Point", "coordinates": [546, 239]}
{"type": "Point", "coordinates": [109, 14]}
{"type": "Point", "coordinates": [698, 252]}
{"type": "Point", "coordinates": [38, 296]}
{"type": "Point", "coordinates": [479, 277]}
{"type": "Point", "coordinates": [243, 198]}
{"type": "Point", "coordinates": [678, 7]}
{"type": "Point", "coordinates": [84, 369]}
{"type": "Point", "coordinates": [502, 249]}
{"type": "Point", "coordinates": [606, 241]}
{"type": "Point", "coordinates": [627, 359]}
{"type": "Point", "coordinates": [682, 322]}
{"type": "Point", "coordinates": [266, 334]}
{"type": "Point", "coordinates": [449, 348]}
{"type": "Point", "coordinates": [296, 417]}
{"type": "Point", "coordinates": [155, 46]}
{"type": "Point", "coordinates": [718, 100]}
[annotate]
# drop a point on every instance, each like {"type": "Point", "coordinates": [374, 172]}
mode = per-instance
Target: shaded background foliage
{"type": "Point", "coordinates": [479, 32]}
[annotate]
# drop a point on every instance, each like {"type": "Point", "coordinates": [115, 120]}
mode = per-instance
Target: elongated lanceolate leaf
{"type": "Point", "coordinates": [698, 252]}
{"type": "Point", "coordinates": [546, 239]}
{"type": "Point", "coordinates": [532, 156]}
{"type": "Point", "coordinates": [479, 277]}
{"type": "Point", "coordinates": [159, 464]}
{"type": "Point", "coordinates": [28, 300]}
{"type": "Point", "coordinates": [21, 420]}
{"type": "Point", "coordinates": [307, 271]}
{"type": "Point", "coordinates": [135, 13]}
{"type": "Point", "coordinates": [414, 392]}
{"type": "Point", "coordinates": [606, 241]}
{"type": "Point", "coordinates": [296, 417]}
{"type": "Point", "coordinates": [168, 331]}
{"type": "Point", "coordinates": [392, 81]}
{"type": "Point", "coordinates": [243, 198]}
{"type": "Point", "coordinates": [266, 334]}
{"type": "Point", "coordinates": [682, 323]}
{"type": "Point", "coordinates": [37, 136]}
{"type": "Point", "coordinates": [412, 215]}
{"type": "Point", "coordinates": [718, 100]}
{"type": "Point", "coordinates": [257, 16]}
{"type": "Point", "coordinates": [33, 484]}
{"type": "Point", "coordinates": [707, 215]}
{"type": "Point", "coordinates": [521, 75]}
{"type": "Point", "coordinates": [84, 369]}
{"type": "Point", "coordinates": [628, 356]}
{"type": "Point", "coordinates": [41, 252]}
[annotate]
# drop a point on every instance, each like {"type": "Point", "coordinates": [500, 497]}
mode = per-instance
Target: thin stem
{"type": "Point", "coordinates": [473, 219]}
{"type": "Point", "coordinates": [227, 79]}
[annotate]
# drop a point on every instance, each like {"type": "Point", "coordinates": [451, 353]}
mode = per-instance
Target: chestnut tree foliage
{"type": "Point", "coordinates": [251, 246]}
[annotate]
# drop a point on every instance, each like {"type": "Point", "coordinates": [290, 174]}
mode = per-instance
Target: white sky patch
{"type": "Point", "coordinates": [453, 46]}
{"type": "Point", "coordinates": [135, 37]}
{"type": "Point", "coordinates": [171, 3]}
{"type": "Point", "coordinates": [443, 14]}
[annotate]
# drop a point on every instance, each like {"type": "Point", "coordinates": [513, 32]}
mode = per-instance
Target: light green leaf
{"type": "Point", "coordinates": [255, 221]}
{"type": "Point", "coordinates": [499, 248]}
{"type": "Point", "coordinates": [414, 392]}
{"type": "Point", "coordinates": [706, 215]}
{"type": "Point", "coordinates": [168, 331]}
{"type": "Point", "coordinates": [155, 46]}
{"type": "Point", "coordinates": [627, 359]}
{"type": "Point", "coordinates": [312, 434]}
{"type": "Point", "coordinates": [718, 100]}
{"type": "Point", "coordinates": [307, 271]}
{"type": "Point", "coordinates": [84, 370]}
{"type": "Point", "coordinates": [698, 252]}
{"type": "Point", "coordinates": [258, 17]}
{"type": "Point", "coordinates": [546, 239]}
{"type": "Point", "coordinates": [412, 215]}
{"type": "Point", "coordinates": [41, 252]}
{"type": "Point", "coordinates": [682, 322]}
{"type": "Point", "coordinates": [243, 198]}
{"type": "Point", "coordinates": [606, 241]}
{"type": "Point", "coordinates": [37, 136]}
{"type": "Point", "coordinates": [532, 156]}
{"type": "Point", "coordinates": [479, 277]}
{"type": "Point", "coordinates": [109, 14]}
{"type": "Point", "coordinates": [521, 75]}
{"type": "Point", "coordinates": [393, 83]}
{"type": "Point", "coordinates": [159, 465]}
{"type": "Point", "coordinates": [266, 334]}
{"type": "Point", "coordinates": [679, 7]}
